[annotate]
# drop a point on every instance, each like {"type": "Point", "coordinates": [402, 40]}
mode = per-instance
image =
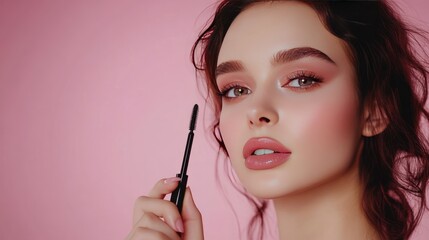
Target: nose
{"type": "Point", "coordinates": [262, 115]}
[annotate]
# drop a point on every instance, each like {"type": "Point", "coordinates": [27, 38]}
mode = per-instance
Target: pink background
{"type": "Point", "coordinates": [95, 99]}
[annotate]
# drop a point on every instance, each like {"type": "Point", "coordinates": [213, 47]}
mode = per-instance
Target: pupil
{"type": "Point", "coordinates": [304, 82]}
{"type": "Point", "coordinates": [238, 91]}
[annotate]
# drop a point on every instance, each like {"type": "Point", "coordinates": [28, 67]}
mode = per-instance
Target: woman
{"type": "Point", "coordinates": [319, 108]}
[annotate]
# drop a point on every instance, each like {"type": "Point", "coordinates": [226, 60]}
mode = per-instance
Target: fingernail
{"type": "Point", "coordinates": [179, 226]}
{"type": "Point", "coordinates": [170, 180]}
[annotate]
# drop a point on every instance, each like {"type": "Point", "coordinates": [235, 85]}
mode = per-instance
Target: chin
{"type": "Point", "coordinates": [266, 194]}
{"type": "Point", "coordinates": [271, 192]}
{"type": "Point", "coordinates": [272, 189]}
{"type": "Point", "coordinates": [267, 184]}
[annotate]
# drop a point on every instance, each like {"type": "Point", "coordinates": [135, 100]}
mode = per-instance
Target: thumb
{"type": "Point", "coordinates": [192, 218]}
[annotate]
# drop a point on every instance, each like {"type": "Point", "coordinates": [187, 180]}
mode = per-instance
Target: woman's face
{"type": "Point", "coordinates": [290, 117]}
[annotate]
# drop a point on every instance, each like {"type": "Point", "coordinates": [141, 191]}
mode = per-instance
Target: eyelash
{"type": "Point", "coordinates": [315, 81]}
{"type": "Point", "coordinates": [224, 91]}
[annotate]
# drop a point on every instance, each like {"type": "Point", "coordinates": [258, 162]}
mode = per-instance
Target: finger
{"type": "Point", "coordinates": [147, 234]}
{"type": "Point", "coordinates": [192, 218]}
{"type": "Point", "coordinates": [151, 221]}
{"type": "Point", "coordinates": [160, 189]}
{"type": "Point", "coordinates": [163, 187]}
{"type": "Point", "coordinates": [161, 208]}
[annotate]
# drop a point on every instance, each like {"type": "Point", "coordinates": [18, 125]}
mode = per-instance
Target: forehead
{"type": "Point", "coordinates": [263, 29]}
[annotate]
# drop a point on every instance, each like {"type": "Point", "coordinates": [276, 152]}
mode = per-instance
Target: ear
{"type": "Point", "coordinates": [375, 121]}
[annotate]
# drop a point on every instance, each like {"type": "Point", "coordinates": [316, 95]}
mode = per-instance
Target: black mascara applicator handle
{"type": "Point", "coordinates": [179, 193]}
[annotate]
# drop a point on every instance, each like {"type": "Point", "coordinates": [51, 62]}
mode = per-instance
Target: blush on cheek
{"type": "Point", "coordinates": [327, 127]}
{"type": "Point", "coordinates": [334, 118]}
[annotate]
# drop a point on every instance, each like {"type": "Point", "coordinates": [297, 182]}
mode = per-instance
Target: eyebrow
{"type": "Point", "coordinates": [298, 53]}
{"type": "Point", "coordinates": [229, 66]}
{"type": "Point", "coordinates": [280, 57]}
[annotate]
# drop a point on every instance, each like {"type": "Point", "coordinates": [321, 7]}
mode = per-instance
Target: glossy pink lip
{"type": "Point", "coordinates": [261, 162]}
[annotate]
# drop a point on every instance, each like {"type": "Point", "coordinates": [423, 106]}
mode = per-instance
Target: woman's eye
{"type": "Point", "coordinates": [236, 92]}
{"type": "Point", "coordinates": [302, 82]}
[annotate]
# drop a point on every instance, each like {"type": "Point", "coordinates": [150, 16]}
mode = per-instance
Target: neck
{"type": "Point", "coordinates": [330, 211]}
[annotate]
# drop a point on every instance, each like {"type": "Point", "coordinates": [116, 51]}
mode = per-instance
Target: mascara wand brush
{"type": "Point", "coordinates": [178, 194]}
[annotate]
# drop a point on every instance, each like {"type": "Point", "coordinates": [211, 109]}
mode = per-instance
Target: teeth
{"type": "Point", "coordinates": [262, 151]}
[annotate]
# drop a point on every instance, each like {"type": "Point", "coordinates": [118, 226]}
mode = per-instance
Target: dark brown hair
{"type": "Point", "coordinates": [392, 80]}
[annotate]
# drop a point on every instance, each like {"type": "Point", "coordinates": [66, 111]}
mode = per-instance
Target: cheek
{"type": "Point", "coordinates": [327, 133]}
{"type": "Point", "coordinates": [327, 120]}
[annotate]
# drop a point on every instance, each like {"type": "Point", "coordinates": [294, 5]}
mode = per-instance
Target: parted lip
{"type": "Point", "coordinates": [263, 143]}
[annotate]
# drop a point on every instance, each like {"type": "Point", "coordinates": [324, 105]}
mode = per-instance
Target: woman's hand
{"type": "Point", "coordinates": [156, 218]}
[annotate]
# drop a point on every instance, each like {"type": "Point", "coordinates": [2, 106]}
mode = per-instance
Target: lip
{"type": "Point", "coordinates": [281, 153]}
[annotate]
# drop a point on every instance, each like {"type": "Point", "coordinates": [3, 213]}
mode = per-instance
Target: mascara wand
{"type": "Point", "coordinates": [178, 194]}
